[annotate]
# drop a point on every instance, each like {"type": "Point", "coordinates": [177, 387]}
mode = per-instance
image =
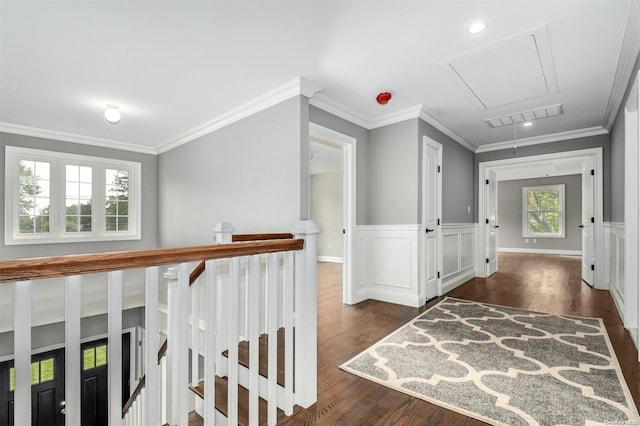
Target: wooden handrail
{"type": "Point", "coordinates": [60, 266]}
{"type": "Point", "coordinates": [197, 271]}
{"type": "Point", "coordinates": [260, 237]}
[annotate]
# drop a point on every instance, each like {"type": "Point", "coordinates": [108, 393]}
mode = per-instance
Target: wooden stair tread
{"type": "Point", "coordinates": [263, 343]}
{"type": "Point", "coordinates": [243, 401]}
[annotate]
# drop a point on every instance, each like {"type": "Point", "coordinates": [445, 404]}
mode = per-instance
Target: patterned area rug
{"type": "Point", "coordinates": [504, 366]}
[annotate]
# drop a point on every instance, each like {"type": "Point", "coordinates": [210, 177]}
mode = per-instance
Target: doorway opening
{"type": "Point", "coordinates": [588, 232]}
{"type": "Point", "coordinates": [332, 199]}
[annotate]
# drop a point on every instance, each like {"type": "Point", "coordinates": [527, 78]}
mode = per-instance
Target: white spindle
{"type": "Point", "coordinates": [288, 332]}
{"type": "Point", "coordinates": [210, 271]}
{"type": "Point", "coordinates": [182, 338]}
{"type": "Point", "coordinates": [22, 352]}
{"type": "Point", "coordinates": [171, 399]}
{"type": "Point", "coordinates": [195, 332]}
{"type": "Point", "coordinates": [306, 311]}
{"type": "Point", "coordinates": [234, 305]}
{"type": "Point", "coordinates": [114, 348]}
{"type": "Point", "coordinates": [253, 335]}
{"type": "Point", "coordinates": [144, 401]}
{"type": "Point", "coordinates": [72, 357]}
{"type": "Point", "coordinates": [152, 384]}
{"type": "Point", "coordinates": [272, 333]}
{"type": "Point", "coordinates": [163, 391]}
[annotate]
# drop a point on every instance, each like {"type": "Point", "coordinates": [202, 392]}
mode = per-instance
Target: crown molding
{"type": "Point", "coordinates": [535, 140]}
{"type": "Point", "coordinates": [396, 117]}
{"type": "Point", "coordinates": [18, 129]}
{"type": "Point", "coordinates": [440, 125]}
{"type": "Point", "coordinates": [297, 86]}
{"type": "Point", "coordinates": [626, 60]}
{"type": "Point", "coordinates": [331, 106]}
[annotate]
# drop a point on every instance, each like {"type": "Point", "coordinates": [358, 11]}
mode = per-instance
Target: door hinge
{"type": "Point", "coordinates": [593, 267]}
{"type": "Point", "coordinates": [344, 231]}
{"type": "Point", "coordinates": [593, 220]}
{"type": "Point", "coordinates": [438, 223]}
{"type": "Point", "coordinates": [486, 181]}
{"type": "Point", "coordinates": [438, 169]}
{"type": "Point", "coordinates": [487, 260]}
{"type": "Point", "coordinates": [438, 274]}
{"type": "Point", "coordinates": [593, 172]}
{"type": "Point", "coordinates": [486, 221]}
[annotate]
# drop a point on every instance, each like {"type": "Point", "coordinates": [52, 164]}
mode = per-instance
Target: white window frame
{"type": "Point", "coordinates": [525, 217]}
{"type": "Point", "coordinates": [58, 234]}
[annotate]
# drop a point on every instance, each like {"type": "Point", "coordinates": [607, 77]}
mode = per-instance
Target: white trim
{"type": "Point", "coordinates": [330, 259]}
{"type": "Point", "coordinates": [626, 61]}
{"type": "Point", "coordinates": [392, 228]}
{"type": "Point", "coordinates": [297, 86]}
{"type": "Point", "coordinates": [423, 260]}
{"type": "Point", "coordinates": [458, 279]}
{"type": "Point", "coordinates": [349, 194]}
{"type": "Point", "coordinates": [439, 124]}
{"type": "Point", "coordinates": [536, 140]}
{"type": "Point", "coordinates": [35, 132]}
{"type": "Point", "coordinates": [540, 251]}
{"type": "Point", "coordinates": [411, 300]}
{"type": "Point", "coordinates": [331, 106]}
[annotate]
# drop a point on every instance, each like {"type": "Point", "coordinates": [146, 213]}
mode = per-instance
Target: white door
{"type": "Point", "coordinates": [588, 258]}
{"type": "Point", "coordinates": [491, 223]}
{"type": "Point", "coordinates": [431, 212]}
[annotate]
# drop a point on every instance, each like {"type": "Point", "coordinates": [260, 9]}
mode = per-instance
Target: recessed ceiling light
{"type": "Point", "coordinates": [527, 124]}
{"type": "Point", "coordinates": [477, 27]}
{"type": "Point", "coordinates": [112, 114]}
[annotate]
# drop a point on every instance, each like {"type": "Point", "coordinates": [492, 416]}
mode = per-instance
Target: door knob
{"type": "Point", "coordinates": [429, 230]}
{"type": "Point", "coordinates": [580, 226]}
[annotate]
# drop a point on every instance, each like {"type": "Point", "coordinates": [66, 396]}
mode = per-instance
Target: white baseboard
{"type": "Point", "coordinates": [540, 251]}
{"type": "Point", "coordinates": [394, 297]}
{"type": "Point", "coordinates": [331, 259]}
{"type": "Point", "coordinates": [634, 335]}
{"type": "Point", "coordinates": [617, 301]}
{"type": "Point", "coordinates": [457, 280]}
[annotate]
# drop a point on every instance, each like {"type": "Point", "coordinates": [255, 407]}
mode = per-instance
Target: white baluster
{"type": "Point", "coordinates": [163, 391]}
{"type": "Point", "coordinates": [306, 314]}
{"type": "Point", "coordinates": [22, 352]}
{"type": "Point", "coordinates": [210, 343]}
{"type": "Point", "coordinates": [195, 333]}
{"type": "Point", "coordinates": [114, 348]}
{"type": "Point", "coordinates": [183, 344]}
{"type": "Point", "coordinates": [288, 332]}
{"type": "Point", "coordinates": [152, 384]}
{"type": "Point", "coordinates": [253, 335]}
{"type": "Point", "coordinates": [73, 290]}
{"type": "Point", "coordinates": [234, 304]}
{"type": "Point", "coordinates": [171, 401]}
{"type": "Point", "coordinates": [272, 333]}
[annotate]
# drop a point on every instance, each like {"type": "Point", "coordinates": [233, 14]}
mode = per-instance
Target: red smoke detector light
{"type": "Point", "coordinates": [383, 98]}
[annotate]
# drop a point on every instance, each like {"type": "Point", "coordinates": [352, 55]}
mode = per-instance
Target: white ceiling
{"type": "Point", "coordinates": [179, 68]}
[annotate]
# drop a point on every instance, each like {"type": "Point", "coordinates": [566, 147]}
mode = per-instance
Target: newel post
{"type": "Point", "coordinates": [224, 232]}
{"type": "Point", "coordinates": [306, 314]}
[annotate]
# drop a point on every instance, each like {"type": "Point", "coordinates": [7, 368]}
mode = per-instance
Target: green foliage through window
{"type": "Point", "coordinates": [543, 210]}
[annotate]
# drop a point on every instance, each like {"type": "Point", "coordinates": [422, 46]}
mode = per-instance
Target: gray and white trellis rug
{"type": "Point", "coordinates": [504, 366]}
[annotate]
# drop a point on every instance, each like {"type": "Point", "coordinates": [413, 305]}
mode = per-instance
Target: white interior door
{"type": "Point", "coordinates": [491, 222]}
{"type": "Point", "coordinates": [431, 213]}
{"type": "Point", "coordinates": [587, 225]}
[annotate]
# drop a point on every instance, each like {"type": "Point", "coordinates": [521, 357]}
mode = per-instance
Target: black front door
{"type": "Point", "coordinates": [47, 389]}
{"type": "Point", "coordinates": [93, 379]}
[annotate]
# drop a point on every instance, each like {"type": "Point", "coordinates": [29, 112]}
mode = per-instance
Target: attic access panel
{"type": "Point", "coordinates": [510, 70]}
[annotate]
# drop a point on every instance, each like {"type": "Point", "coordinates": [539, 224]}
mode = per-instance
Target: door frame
{"type": "Point", "coordinates": [349, 160]}
{"type": "Point", "coordinates": [427, 141]}
{"type": "Point", "coordinates": [596, 157]}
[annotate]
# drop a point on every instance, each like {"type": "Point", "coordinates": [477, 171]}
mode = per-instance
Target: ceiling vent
{"type": "Point", "coordinates": [519, 117]}
{"type": "Point", "coordinates": [510, 70]}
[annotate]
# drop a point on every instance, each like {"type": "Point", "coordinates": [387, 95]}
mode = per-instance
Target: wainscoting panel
{"type": "Point", "coordinates": [388, 263]}
{"type": "Point", "coordinates": [458, 244]}
{"type": "Point", "coordinates": [615, 258]}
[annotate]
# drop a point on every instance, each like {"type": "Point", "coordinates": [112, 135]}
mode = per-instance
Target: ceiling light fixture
{"type": "Point", "coordinates": [112, 114]}
{"type": "Point", "coordinates": [527, 124]}
{"type": "Point", "coordinates": [477, 27]}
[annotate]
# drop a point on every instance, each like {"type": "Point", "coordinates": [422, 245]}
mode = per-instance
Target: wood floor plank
{"type": "Point", "coordinates": [536, 282]}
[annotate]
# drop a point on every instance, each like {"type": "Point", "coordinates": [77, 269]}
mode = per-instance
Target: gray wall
{"type": "Point", "coordinates": [330, 121]}
{"type": "Point", "coordinates": [552, 147]}
{"type": "Point", "coordinates": [617, 155]}
{"type": "Point", "coordinates": [249, 173]}
{"type": "Point", "coordinates": [53, 334]}
{"type": "Point", "coordinates": [510, 214]}
{"type": "Point", "coordinates": [326, 210]}
{"type": "Point", "coordinates": [393, 174]}
{"type": "Point", "coordinates": [149, 199]}
{"type": "Point", "coordinates": [457, 176]}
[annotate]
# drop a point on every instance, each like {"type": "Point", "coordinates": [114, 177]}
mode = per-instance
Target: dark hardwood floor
{"type": "Point", "coordinates": [536, 282]}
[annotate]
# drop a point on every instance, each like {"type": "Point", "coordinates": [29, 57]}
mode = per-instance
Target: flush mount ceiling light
{"type": "Point", "coordinates": [477, 27]}
{"type": "Point", "coordinates": [527, 124]}
{"type": "Point", "coordinates": [112, 113]}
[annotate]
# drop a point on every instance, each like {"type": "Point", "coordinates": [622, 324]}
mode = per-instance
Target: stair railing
{"type": "Point", "coordinates": [299, 259]}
